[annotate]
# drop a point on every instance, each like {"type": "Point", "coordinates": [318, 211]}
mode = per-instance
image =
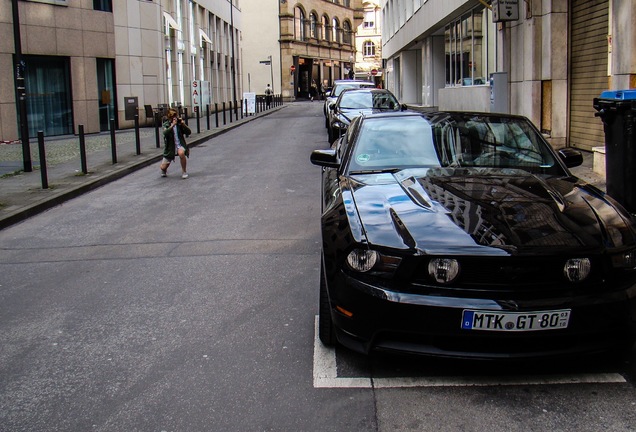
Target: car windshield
{"type": "Point", "coordinates": [451, 141]}
{"type": "Point", "coordinates": [340, 87]}
{"type": "Point", "coordinates": [366, 99]}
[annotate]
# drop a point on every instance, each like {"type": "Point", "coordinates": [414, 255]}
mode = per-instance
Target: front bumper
{"type": "Point", "coordinates": [385, 320]}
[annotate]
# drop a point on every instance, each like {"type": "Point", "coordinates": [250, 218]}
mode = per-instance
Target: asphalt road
{"type": "Point", "coordinates": [162, 304]}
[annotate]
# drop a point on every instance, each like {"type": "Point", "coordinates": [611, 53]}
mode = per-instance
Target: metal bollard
{"type": "Point", "coordinates": [207, 114]}
{"type": "Point", "coordinates": [43, 173]}
{"type": "Point", "coordinates": [157, 143]}
{"type": "Point", "coordinates": [230, 111]}
{"type": "Point", "coordinates": [196, 109]}
{"type": "Point", "coordinates": [235, 110]}
{"type": "Point", "coordinates": [223, 113]}
{"type": "Point", "coordinates": [216, 114]}
{"type": "Point", "coordinates": [185, 115]}
{"type": "Point", "coordinates": [113, 145]}
{"type": "Point", "coordinates": [82, 144]}
{"type": "Point", "coordinates": [137, 140]}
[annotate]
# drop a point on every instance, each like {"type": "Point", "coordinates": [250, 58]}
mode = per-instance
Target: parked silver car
{"type": "Point", "coordinates": [338, 87]}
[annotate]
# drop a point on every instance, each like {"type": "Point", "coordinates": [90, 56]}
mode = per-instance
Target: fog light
{"type": "Point", "coordinates": [362, 260]}
{"type": "Point", "coordinates": [443, 270]}
{"type": "Point", "coordinates": [577, 269]}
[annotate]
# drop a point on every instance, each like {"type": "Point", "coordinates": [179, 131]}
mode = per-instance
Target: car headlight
{"type": "Point", "coordinates": [577, 269]}
{"type": "Point", "coordinates": [370, 261]}
{"type": "Point", "coordinates": [362, 260]}
{"type": "Point", "coordinates": [443, 270]}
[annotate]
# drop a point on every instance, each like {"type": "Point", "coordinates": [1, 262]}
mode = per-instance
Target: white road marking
{"type": "Point", "coordinates": [326, 376]}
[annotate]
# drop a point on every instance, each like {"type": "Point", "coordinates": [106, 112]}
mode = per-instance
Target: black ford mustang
{"type": "Point", "coordinates": [465, 235]}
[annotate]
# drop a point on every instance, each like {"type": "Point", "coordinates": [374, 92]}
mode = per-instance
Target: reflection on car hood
{"type": "Point", "coordinates": [486, 211]}
{"type": "Point", "coordinates": [351, 113]}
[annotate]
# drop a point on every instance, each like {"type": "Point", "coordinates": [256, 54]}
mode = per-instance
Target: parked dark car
{"type": "Point", "coordinates": [354, 102]}
{"type": "Point", "coordinates": [465, 235]}
{"type": "Point", "coordinates": [338, 87]}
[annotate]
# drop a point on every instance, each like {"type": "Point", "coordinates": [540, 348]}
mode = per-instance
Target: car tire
{"type": "Point", "coordinates": [326, 331]}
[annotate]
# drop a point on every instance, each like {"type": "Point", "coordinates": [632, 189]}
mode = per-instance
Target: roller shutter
{"type": "Point", "coordinates": [588, 70]}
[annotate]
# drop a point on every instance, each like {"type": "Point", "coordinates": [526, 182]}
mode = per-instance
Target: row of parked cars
{"type": "Point", "coordinates": [459, 234]}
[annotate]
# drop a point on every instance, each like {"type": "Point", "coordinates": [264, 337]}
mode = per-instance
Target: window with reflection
{"type": "Point", "coordinates": [470, 48]}
{"type": "Point", "coordinates": [346, 33]}
{"type": "Point", "coordinates": [368, 49]}
{"type": "Point", "coordinates": [313, 26]}
{"type": "Point", "coordinates": [326, 28]}
{"type": "Point", "coordinates": [335, 28]}
{"type": "Point", "coordinates": [299, 24]}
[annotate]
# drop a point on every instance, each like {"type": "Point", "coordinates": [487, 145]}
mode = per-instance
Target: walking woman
{"type": "Point", "coordinates": [174, 132]}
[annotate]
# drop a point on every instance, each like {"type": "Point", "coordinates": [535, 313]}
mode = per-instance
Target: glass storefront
{"type": "Point", "coordinates": [470, 48]}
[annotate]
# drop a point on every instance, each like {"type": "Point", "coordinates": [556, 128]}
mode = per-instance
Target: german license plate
{"type": "Point", "coordinates": [515, 321]}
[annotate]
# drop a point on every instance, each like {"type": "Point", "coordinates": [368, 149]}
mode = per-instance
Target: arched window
{"type": "Point", "coordinates": [313, 26]}
{"type": "Point", "coordinates": [346, 33]}
{"type": "Point", "coordinates": [368, 49]}
{"type": "Point", "coordinates": [335, 29]}
{"type": "Point", "coordinates": [325, 28]}
{"type": "Point", "coordinates": [299, 24]}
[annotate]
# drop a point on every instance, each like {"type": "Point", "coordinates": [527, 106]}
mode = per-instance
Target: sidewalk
{"type": "Point", "coordinates": [22, 195]}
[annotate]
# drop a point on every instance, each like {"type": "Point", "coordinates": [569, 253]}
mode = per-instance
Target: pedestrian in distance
{"type": "Point", "coordinates": [174, 133]}
{"type": "Point", "coordinates": [269, 94]}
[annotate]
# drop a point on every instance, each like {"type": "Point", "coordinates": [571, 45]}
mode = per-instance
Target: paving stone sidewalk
{"type": "Point", "coordinates": [22, 194]}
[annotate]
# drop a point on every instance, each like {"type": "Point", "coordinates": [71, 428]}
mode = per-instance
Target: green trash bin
{"type": "Point", "coordinates": [617, 110]}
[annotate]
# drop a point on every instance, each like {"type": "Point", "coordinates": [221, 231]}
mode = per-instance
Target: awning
{"type": "Point", "coordinates": [171, 22]}
{"type": "Point", "coordinates": [204, 37]}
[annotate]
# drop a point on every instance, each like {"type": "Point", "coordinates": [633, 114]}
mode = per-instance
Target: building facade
{"type": "Point", "coordinates": [311, 43]}
{"type": "Point", "coordinates": [548, 62]}
{"type": "Point", "coordinates": [90, 61]}
{"type": "Point", "coordinates": [368, 65]}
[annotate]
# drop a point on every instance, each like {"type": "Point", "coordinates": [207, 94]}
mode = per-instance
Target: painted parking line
{"type": "Point", "coordinates": [326, 376]}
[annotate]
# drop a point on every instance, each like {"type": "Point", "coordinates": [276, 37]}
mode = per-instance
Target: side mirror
{"type": "Point", "coordinates": [332, 107]}
{"type": "Point", "coordinates": [572, 158]}
{"type": "Point", "coordinates": [325, 158]}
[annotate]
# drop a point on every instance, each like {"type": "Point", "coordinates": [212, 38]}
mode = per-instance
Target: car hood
{"type": "Point", "coordinates": [487, 211]}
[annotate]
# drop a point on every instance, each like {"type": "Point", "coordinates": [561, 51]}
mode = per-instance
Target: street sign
{"type": "Point", "coordinates": [265, 62]}
{"type": "Point", "coordinates": [374, 72]}
{"type": "Point", "coordinates": [505, 10]}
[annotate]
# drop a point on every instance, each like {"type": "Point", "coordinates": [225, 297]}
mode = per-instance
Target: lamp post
{"type": "Point", "coordinates": [232, 40]}
{"type": "Point", "coordinates": [21, 90]}
{"type": "Point", "coordinates": [271, 69]}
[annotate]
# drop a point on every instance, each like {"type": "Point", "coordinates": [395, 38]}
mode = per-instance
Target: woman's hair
{"type": "Point", "coordinates": [171, 113]}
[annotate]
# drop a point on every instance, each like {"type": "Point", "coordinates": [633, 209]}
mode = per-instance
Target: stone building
{"type": "Point", "coordinates": [311, 42]}
{"type": "Point", "coordinates": [87, 62]}
{"type": "Point", "coordinates": [368, 65]}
